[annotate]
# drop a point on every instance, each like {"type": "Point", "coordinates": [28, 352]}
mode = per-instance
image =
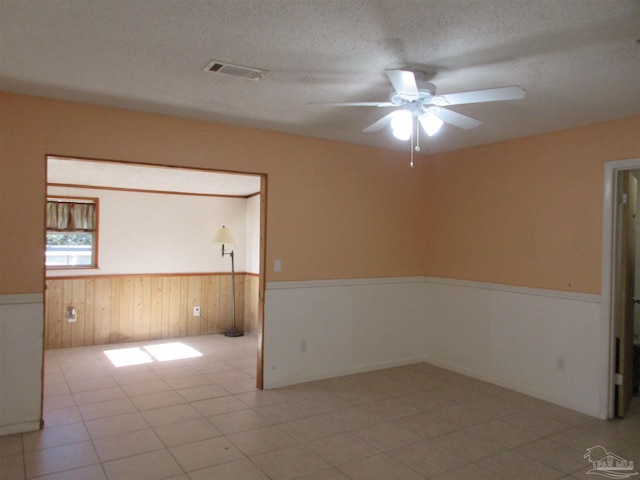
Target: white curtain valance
{"type": "Point", "coordinates": [69, 216]}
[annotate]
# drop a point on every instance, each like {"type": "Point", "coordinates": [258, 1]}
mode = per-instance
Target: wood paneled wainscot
{"type": "Point", "coordinates": [114, 309]}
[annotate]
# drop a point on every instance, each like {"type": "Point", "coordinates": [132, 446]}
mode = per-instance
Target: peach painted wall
{"type": "Point", "coordinates": [525, 212]}
{"type": "Point", "coordinates": [334, 210]}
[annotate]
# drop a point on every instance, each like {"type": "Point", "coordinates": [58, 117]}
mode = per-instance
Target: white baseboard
{"type": "Point", "coordinates": [342, 373]}
{"type": "Point", "coordinates": [555, 399]}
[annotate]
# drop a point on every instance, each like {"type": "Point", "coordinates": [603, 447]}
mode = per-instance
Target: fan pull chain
{"type": "Point", "coordinates": [417, 137]}
{"type": "Point", "coordinates": [411, 163]}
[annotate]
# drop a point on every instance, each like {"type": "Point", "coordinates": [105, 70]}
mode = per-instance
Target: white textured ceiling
{"type": "Point", "coordinates": [66, 171]}
{"type": "Point", "coordinates": [578, 60]}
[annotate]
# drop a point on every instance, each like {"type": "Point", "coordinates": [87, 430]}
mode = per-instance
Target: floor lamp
{"type": "Point", "coordinates": [223, 236]}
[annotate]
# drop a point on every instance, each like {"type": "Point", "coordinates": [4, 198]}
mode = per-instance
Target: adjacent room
{"type": "Point", "coordinates": [420, 215]}
{"type": "Point", "coordinates": [146, 265]}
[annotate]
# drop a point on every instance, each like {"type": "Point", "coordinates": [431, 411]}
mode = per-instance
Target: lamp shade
{"type": "Point", "coordinates": [402, 125]}
{"type": "Point", "coordinates": [430, 123]}
{"type": "Point", "coordinates": [223, 235]}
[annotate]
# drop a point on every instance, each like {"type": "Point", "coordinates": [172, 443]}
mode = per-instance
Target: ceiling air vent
{"type": "Point", "coordinates": [249, 73]}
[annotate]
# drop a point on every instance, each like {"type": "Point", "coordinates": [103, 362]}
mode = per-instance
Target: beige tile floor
{"type": "Point", "coordinates": [201, 418]}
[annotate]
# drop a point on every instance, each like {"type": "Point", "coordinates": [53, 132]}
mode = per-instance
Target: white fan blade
{"type": "Point", "coordinates": [404, 82]}
{"type": "Point", "coordinates": [355, 104]}
{"type": "Point", "coordinates": [479, 96]}
{"type": "Point", "coordinates": [383, 122]}
{"type": "Point", "coordinates": [457, 119]}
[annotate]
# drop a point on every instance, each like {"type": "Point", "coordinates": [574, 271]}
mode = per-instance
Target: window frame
{"type": "Point", "coordinates": [93, 233]}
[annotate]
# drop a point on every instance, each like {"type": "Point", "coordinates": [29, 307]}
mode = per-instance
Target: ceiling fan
{"type": "Point", "coordinates": [418, 103]}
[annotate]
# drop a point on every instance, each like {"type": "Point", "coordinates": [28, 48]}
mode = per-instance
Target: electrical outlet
{"type": "Point", "coordinates": [196, 311]}
{"type": "Point", "coordinates": [303, 346]}
{"type": "Point", "coordinates": [561, 363]}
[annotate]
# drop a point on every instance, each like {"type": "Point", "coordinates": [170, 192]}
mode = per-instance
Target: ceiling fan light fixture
{"type": "Point", "coordinates": [402, 125]}
{"type": "Point", "coordinates": [430, 123]}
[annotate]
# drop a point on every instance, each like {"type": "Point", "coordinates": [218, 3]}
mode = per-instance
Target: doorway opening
{"type": "Point", "coordinates": [620, 290]}
{"type": "Point", "coordinates": [171, 280]}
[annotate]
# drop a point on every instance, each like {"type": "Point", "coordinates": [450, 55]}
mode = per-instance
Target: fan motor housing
{"type": "Point", "coordinates": [426, 92]}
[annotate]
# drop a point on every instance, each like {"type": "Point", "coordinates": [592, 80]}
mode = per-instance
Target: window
{"type": "Point", "coordinates": [72, 233]}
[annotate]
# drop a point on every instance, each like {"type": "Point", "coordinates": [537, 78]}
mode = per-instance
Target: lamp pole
{"type": "Point", "coordinates": [233, 332]}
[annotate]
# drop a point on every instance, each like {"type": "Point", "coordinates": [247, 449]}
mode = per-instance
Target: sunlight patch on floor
{"type": "Point", "coordinates": [123, 357]}
{"type": "Point", "coordinates": [172, 351]}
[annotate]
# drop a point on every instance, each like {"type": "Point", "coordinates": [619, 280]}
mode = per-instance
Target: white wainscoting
{"type": "Point", "coordinates": [21, 325]}
{"type": "Point", "coordinates": [350, 326]}
{"type": "Point", "coordinates": [511, 336]}
{"type": "Point", "coordinates": [544, 343]}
